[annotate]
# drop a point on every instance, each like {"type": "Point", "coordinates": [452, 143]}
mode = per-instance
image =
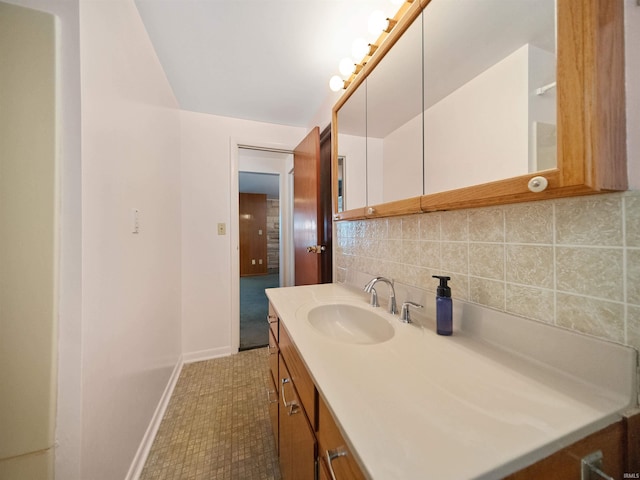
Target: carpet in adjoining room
{"type": "Point", "coordinates": [254, 308]}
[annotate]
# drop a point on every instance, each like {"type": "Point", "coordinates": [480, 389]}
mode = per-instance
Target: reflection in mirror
{"type": "Point", "coordinates": [489, 90]}
{"type": "Point", "coordinates": [394, 121]}
{"type": "Point", "coordinates": [352, 148]}
{"type": "Point", "coordinates": [341, 182]}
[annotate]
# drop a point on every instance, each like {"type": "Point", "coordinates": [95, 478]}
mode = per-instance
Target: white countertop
{"type": "Point", "coordinates": [422, 405]}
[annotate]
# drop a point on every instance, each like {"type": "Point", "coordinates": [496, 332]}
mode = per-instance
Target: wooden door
{"type": "Point", "coordinates": [253, 233]}
{"type": "Point", "coordinates": [312, 224]}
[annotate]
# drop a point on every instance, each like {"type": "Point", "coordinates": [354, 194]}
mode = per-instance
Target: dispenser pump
{"type": "Point", "coordinates": [443, 288]}
{"type": "Point", "coordinates": [444, 307]}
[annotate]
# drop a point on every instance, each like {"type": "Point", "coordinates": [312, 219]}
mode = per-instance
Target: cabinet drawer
{"type": "Point", "coordinates": [273, 358]}
{"type": "Point", "coordinates": [297, 447]}
{"type": "Point", "coordinates": [273, 400]}
{"type": "Point", "coordinates": [272, 318]}
{"type": "Point", "coordinates": [299, 375]}
{"type": "Point", "coordinates": [333, 449]}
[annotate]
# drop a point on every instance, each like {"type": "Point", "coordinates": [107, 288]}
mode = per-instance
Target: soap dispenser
{"type": "Point", "coordinates": [444, 309]}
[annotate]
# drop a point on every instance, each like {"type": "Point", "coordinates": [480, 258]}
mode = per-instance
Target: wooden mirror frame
{"type": "Point", "coordinates": [591, 151]}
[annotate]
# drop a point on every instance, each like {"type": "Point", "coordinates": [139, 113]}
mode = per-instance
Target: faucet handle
{"type": "Point", "coordinates": [404, 315]}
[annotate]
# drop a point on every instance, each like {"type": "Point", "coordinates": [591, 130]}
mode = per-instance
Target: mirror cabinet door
{"type": "Point", "coordinates": [463, 109]}
{"type": "Point", "coordinates": [489, 91]}
{"type": "Point", "coordinates": [394, 121]}
{"type": "Point", "coordinates": [352, 151]}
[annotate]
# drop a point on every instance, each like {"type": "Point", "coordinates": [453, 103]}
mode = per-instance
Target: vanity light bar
{"type": "Point", "coordinates": [335, 84]}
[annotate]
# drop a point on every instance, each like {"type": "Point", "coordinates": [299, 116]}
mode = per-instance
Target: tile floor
{"type": "Point", "coordinates": [217, 423]}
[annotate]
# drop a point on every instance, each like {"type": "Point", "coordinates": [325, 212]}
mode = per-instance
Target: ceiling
{"type": "Point", "coordinates": [263, 60]}
{"type": "Point", "coordinates": [265, 183]}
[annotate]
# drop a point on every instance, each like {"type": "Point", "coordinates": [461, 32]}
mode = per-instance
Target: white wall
{"type": "Point", "coordinates": [29, 239]}
{"type": "Point", "coordinates": [209, 310]}
{"type": "Point", "coordinates": [131, 283]}
{"type": "Point", "coordinates": [375, 172]}
{"type": "Point", "coordinates": [68, 422]}
{"type": "Point", "coordinates": [491, 109]}
{"type": "Point", "coordinates": [402, 166]}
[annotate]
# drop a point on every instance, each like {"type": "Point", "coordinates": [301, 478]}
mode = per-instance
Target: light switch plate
{"type": "Point", "coordinates": [135, 221]}
{"type": "Point", "coordinates": [222, 229]}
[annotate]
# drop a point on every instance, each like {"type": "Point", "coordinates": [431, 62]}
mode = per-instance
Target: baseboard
{"type": "Point", "coordinates": [208, 354]}
{"type": "Point", "coordinates": [145, 446]}
{"type": "Point", "coordinates": [147, 441]}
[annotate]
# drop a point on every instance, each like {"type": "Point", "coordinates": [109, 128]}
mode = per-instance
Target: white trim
{"type": "Point", "coordinates": [208, 354]}
{"type": "Point", "coordinates": [141, 455]}
{"type": "Point", "coordinates": [147, 440]}
{"type": "Point", "coordinates": [234, 254]}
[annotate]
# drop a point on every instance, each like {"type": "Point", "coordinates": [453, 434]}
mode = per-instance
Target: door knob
{"type": "Point", "coordinates": [316, 248]}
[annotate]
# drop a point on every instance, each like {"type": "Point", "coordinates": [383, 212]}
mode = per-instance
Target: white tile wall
{"type": "Point", "coordinates": [571, 262]}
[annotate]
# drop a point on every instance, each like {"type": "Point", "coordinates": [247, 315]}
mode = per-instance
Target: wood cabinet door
{"type": "Point", "coordinates": [274, 404]}
{"type": "Point", "coordinates": [252, 209]}
{"type": "Point", "coordinates": [333, 447]}
{"type": "Point", "coordinates": [323, 472]}
{"type": "Point", "coordinates": [297, 440]}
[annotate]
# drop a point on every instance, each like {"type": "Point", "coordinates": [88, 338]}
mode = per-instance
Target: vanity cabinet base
{"type": "Point", "coordinates": [618, 443]}
{"type": "Point", "coordinates": [311, 445]}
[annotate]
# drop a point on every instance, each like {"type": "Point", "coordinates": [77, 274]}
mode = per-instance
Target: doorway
{"type": "Point", "coordinates": [263, 199]}
{"type": "Point", "coordinates": [259, 220]}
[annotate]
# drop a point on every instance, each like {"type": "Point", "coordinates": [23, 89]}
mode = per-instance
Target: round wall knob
{"type": "Point", "coordinates": [538, 184]}
{"type": "Point", "coordinates": [371, 211]}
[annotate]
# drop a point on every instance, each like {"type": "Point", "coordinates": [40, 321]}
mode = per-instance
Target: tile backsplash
{"type": "Point", "coordinates": [572, 262]}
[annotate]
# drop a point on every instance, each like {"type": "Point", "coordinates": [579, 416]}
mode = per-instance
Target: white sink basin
{"type": "Point", "coordinates": [350, 324]}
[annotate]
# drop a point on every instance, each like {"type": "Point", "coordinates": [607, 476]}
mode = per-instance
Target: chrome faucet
{"type": "Point", "coordinates": [393, 309]}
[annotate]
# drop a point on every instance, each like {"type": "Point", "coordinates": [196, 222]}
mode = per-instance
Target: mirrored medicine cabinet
{"type": "Point", "coordinates": [484, 102]}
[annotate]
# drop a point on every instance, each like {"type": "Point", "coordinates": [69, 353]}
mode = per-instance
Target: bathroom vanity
{"type": "Point", "coordinates": [355, 393]}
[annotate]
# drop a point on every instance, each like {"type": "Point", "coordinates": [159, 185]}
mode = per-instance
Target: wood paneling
{"type": "Point", "coordinates": [253, 233]}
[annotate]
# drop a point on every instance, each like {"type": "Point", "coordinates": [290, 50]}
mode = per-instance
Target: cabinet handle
{"type": "Point", "coordinates": [269, 392]}
{"type": "Point", "coordinates": [332, 455]}
{"type": "Point", "coordinates": [272, 318]}
{"type": "Point", "coordinates": [292, 405]}
{"type": "Point", "coordinates": [591, 467]}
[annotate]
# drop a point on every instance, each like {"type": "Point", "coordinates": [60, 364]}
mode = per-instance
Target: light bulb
{"type": "Point", "coordinates": [336, 83]}
{"type": "Point", "coordinates": [377, 22]}
{"type": "Point", "coordinates": [359, 48]}
{"type": "Point", "coordinates": [346, 67]}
